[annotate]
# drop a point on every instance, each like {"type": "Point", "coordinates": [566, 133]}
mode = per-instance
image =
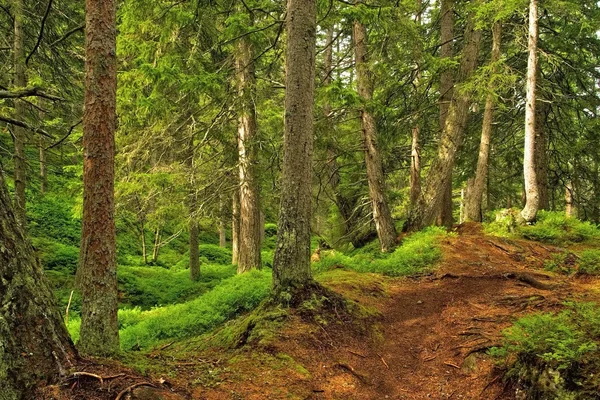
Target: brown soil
{"type": "Point", "coordinates": [427, 338]}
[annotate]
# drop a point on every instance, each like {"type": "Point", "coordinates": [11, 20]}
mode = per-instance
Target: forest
{"type": "Point", "coordinates": [299, 199]}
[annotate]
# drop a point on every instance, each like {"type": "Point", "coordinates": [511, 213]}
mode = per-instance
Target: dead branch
{"type": "Point", "coordinates": [130, 388]}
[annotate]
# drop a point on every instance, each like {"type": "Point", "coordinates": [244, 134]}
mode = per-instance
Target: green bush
{"type": "Point", "coordinates": [233, 296]}
{"type": "Point", "coordinates": [562, 263]}
{"type": "Point", "coordinates": [215, 254]}
{"type": "Point", "coordinates": [555, 355]}
{"type": "Point", "coordinates": [416, 255]}
{"type": "Point", "coordinates": [550, 227]}
{"type": "Point", "coordinates": [270, 230]}
{"type": "Point", "coordinates": [52, 217]}
{"type": "Point", "coordinates": [589, 263]}
{"type": "Point", "coordinates": [56, 255]}
{"type": "Point", "coordinates": [148, 287]}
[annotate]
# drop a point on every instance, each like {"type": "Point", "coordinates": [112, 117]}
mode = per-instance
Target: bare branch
{"type": "Point", "coordinates": [27, 92]}
{"type": "Point", "coordinates": [25, 125]}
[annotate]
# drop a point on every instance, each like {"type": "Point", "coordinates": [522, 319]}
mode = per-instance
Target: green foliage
{"type": "Point", "coordinates": [231, 297]}
{"type": "Point", "coordinates": [56, 255]}
{"type": "Point", "coordinates": [589, 262]}
{"type": "Point", "coordinates": [51, 216]}
{"type": "Point", "coordinates": [554, 355]}
{"type": "Point", "coordinates": [550, 227]}
{"type": "Point", "coordinates": [416, 255]}
{"type": "Point", "coordinates": [148, 287]}
{"type": "Point", "coordinates": [215, 254]}
{"type": "Point", "coordinates": [562, 263]}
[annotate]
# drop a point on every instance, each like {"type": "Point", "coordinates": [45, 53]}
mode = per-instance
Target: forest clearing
{"type": "Point", "coordinates": [299, 199]}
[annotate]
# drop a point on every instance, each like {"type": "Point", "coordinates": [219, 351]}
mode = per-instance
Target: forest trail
{"type": "Point", "coordinates": [431, 335]}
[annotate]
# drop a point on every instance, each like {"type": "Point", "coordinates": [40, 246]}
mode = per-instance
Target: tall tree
{"type": "Point", "coordinates": [415, 149]}
{"type": "Point", "coordinates": [532, 196]}
{"type": "Point", "coordinates": [19, 132]}
{"type": "Point", "coordinates": [444, 211]}
{"type": "Point", "coordinates": [425, 211]}
{"type": "Point", "coordinates": [250, 226]}
{"type": "Point", "coordinates": [476, 189]}
{"type": "Point", "coordinates": [291, 264]}
{"type": "Point", "coordinates": [382, 216]}
{"type": "Point", "coordinates": [97, 273]}
{"type": "Point", "coordinates": [36, 347]}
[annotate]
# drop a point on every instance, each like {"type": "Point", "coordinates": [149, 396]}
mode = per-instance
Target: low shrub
{"type": "Point", "coordinates": [231, 297]}
{"type": "Point", "coordinates": [551, 227]}
{"type": "Point", "coordinates": [563, 263]}
{"type": "Point", "coordinates": [148, 287]}
{"type": "Point", "coordinates": [589, 262]}
{"type": "Point", "coordinates": [215, 254]}
{"type": "Point", "coordinates": [55, 255]}
{"type": "Point", "coordinates": [555, 356]}
{"type": "Point", "coordinates": [416, 255]}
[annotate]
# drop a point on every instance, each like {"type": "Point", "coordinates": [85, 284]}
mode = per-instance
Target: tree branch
{"type": "Point", "coordinates": [41, 34]}
{"type": "Point", "coordinates": [69, 33]}
{"type": "Point", "coordinates": [27, 92]}
{"type": "Point", "coordinates": [71, 129]}
{"type": "Point", "coordinates": [25, 125]}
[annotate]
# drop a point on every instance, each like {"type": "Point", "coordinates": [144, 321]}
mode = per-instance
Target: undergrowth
{"type": "Point", "coordinates": [554, 356]}
{"type": "Point", "coordinates": [416, 255]}
{"type": "Point", "coordinates": [233, 296]}
{"type": "Point", "coordinates": [551, 227]}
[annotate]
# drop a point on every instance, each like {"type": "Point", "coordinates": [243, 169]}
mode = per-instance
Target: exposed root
{"type": "Point", "coordinates": [129, 389]}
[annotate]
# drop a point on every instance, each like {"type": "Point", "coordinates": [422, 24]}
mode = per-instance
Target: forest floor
{"type": "Point", "coordinates": [419, 338]}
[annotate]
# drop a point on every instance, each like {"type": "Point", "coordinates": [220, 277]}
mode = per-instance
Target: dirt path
{"type": "Point", "coordinates": [431, 337]}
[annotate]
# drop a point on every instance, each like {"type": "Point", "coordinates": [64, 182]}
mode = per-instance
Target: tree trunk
{"type": "Point", "coordinates": [143, 241]}
{"type": "Point", "coordinates": [415, 167]}
{"type": "Point", "coordinates": [192, 211]}
{"type": "Point", "coordinates": [291, 264]}
{"type": "Point", "coordinates": [475, 191]}
{"type": "Point", "coordinates": [20, 133]}
{"type": "Point", "coordinates": [384, 224]}
{"type": "Point", "coordinates": [250, 228]}
{"type": "Point", "coordinates": [194, 250]}
{"type": "Point", "coordinates": [541, 153]}
{"type": "Point", "coordinates": [569, 208]}
{"type": "Point", "coordinates": [36, 348]}
{"type": "Point", "coordinates": [43, 162]}
{"type": "Point", "coordinates": [444, 212]}
{"type": "Point", "coordinates": [424, 214]}
{"type": "Point", "coordinates": [532, 196]}
{"type": "Point", "coordinates": [97, 273]}
{"type": "Point", "coordinates": [156, 246]}
{"type": "Point", "coordinates": [235, 226]}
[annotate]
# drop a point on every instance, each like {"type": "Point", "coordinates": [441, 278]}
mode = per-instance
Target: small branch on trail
{"type": "Point", "coordinates": [451, 364]}
{"type": "Point", "coordinates": [490, 383]}
{"type": "Point", "coordinates": [164, 346]}
{"type": "Point", "coordinates": [349, 368]}
{"type": "Point", "coordinates": [357, 354]}
{"type": "Point", "coordinates": [130, 388]}
{"type": "Point", "coordinates": [383, 361]}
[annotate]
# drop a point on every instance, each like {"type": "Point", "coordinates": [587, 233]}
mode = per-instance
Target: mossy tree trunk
{"type": "Point", "coordinates": [235, 226]}
{"type": "Point", "coordinates": [426, 209]}
{"type": "Point", "coordinates": [250, 227]}
{"type": "Point", "coordinates": [35, 347]}
{"type": "Point", "coordinates": [19, 133]}
{"type": "Point", "coordinates": [532, 195]}
{"type": "Point", "coordinates": [194, 229]}
{"type": "Point", "coordinates": [475, 190]}
{"type": "Point", "coordinates": [384, 224]}
{"type": "Point", "coordinates": [444, 211]}
{"type": "Point", "coordinates": [97, 273]}
{"type": "Point", "coordinates": [291, 264]}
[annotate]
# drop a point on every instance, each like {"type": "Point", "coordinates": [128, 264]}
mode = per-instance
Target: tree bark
{"type": "Point", "coordinates": [569, 207]}
{"type": "Point", "coordinates": [35, 345]}
{"type": "Point", "coordinates": [193, 224]}
{"type": "Point", "coordinates": [235, 226]}
{"type": "Point", "coordinates": [532, 196]}
{"type": "Point", "coordinates": [250, 228]}
{"type": "Point", "coordinates": [415, 150]}
{"type": "Point", "coordinates": [475, 191]}
{"type": "Point", "coordinates": [384, 224]}
{"type": "Point", "coordinates": [444, 212]}
{"type": "Point", "coordinates": [291, 264]}
{"type": "Point", "coordinates": [424, 214]}
{"type": "Point", "coordinates": [97, 273]}
{"type": "Point", "coordinates": [20, 133]}
{"type": "Point", "coordinates": [541, 152]}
